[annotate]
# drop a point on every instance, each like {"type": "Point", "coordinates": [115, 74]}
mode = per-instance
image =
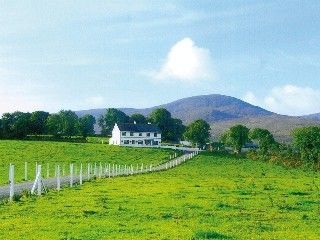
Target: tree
{"type": "Point", "coordinates": [176, 130]}
{"type": "Point", "coordinates": [172, 129]}
{"type": "Point", "coordinates": [1, 129]}
{"type": "Point", "coordinates": [16, 125]}
{"type": "Point", "coordinates": [307, 140]}
{"type": "Point", "coordinates": [237, 137]}
{"type": "Point", "coordinates": [69, 123]}
{"type": "Point", "coordinates": [138, 118]}
{"type": "Point", "coordinates": [264, 138]}
{"type": "Point", "coordinates": [198, 132]}
{"type": "Point", "coordinates": [54, 125]}
{"type": "Point", "coordinates": [86, 125]}
{"type": "Point", "coordinates": [162, 118]}
{"type": "Point", "coordinates": [7, 123]}
{"type": "Point", "coordinates": [38, 122]}
{"type": "Point", "coordinates": [111, 117]}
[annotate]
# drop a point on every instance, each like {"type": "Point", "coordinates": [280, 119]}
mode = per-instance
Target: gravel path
{"type": "Point", "coordinates": [51, 183]}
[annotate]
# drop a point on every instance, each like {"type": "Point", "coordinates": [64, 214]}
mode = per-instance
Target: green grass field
{"type": "Point", "coordinates": [19, 152]}
{"type": "Point", "coordinates": [210, 197]}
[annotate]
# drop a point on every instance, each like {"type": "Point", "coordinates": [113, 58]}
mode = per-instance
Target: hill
{"type": "Point", "coordinates": [315, 116]}
{"type": "Point", "coordinates": [222, 112]}
{"type": "Point", "coordinates": [211, 108]}
{"type": "Point", "coordinates": [280, 126]}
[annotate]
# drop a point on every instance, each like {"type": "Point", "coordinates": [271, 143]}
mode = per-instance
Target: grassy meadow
{"type": "Point", "coordinates": [46, 152]}
{"type": "Point", "coordinates": [209, 197]}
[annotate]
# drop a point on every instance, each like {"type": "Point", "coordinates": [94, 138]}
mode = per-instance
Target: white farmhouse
{"type": "Point", "coordinates": [136, 135]}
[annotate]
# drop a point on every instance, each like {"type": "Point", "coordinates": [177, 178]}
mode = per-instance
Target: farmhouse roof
{"type": "Point", "coordinates": [138, 128]}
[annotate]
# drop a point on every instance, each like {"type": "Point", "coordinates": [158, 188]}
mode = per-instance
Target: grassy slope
{"type": "Point", "coordinates": [17, 152]}
{"type": "Point", "coordinates": [208, 196]}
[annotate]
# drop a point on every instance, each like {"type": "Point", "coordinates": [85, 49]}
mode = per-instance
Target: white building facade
{"type": "Point", "coordinates": [136, 135]}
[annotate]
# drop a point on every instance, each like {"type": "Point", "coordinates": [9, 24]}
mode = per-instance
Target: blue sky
{"type": "Point", "coordinates": [91, 54]}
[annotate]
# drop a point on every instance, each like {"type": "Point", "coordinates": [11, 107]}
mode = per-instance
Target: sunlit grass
{"type": "Point", "coordinates": [210, 197]}
{"type": "Point", "coordinates": [63, 153]}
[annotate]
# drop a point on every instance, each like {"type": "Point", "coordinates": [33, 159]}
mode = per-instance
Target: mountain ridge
{"type": "Point", "coordinates": [221, 112]}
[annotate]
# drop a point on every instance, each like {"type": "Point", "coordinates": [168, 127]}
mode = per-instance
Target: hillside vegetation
{"type": "Point", "coordinates": [280, 126]}
{"type": "Point", "coordinates": [210, 197]}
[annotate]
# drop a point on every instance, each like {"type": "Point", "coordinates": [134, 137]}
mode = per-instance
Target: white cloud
{"type": "Point", "coordinates": [288, 99]}
{"type": "Point", "coordinates": [186, 62]}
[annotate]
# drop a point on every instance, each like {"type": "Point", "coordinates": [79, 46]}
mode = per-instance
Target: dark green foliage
{"type": "Point", "coordinates": [237, 136]}
{"type": "Point", "coordinates": [69, 122]}
{"type": "Point", "coordinates": [138, 118]}
{"type": "Point", "coordinates": [15, 125]}
{"type": "Point", "coordinates": [111, 117]}
{"type": "Point", "coordinates": [19, 125]}
{"type": "Point", "coordinates": [171, 128]}
{"type": "Point", "coordinates": [86, 125]}
{"type": "Point", "coordinates": [307, 141]}
{"type": "Point", "coordinates": [38, 122]}
{"type": "Point", "coordinates": [1, 129]}
{"type": "Point", "coordinates": [54, 124]}
{"type": "Point", "coordinates": [202, 235]}
{"type": "Point", "coordinates": [198, 132]}
{"type": "Point", "coordinates": [264, 138]}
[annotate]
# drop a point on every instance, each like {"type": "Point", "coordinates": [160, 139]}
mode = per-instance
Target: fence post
{"type": "Point", "coordinates": [100, 170]}
{"type": "Point", "coordinates": [80, 174]}
{"type": "Point", "coordinates": [109, 169]}
{"type": "Point", "coordinates": [88, 171]}
{"type": "Point", "coordinates": [141, 167]}
{"type": "Point", "coordinates": [11, 181]}
{"type": "Point", "coordinates": [58, 177]}
{"type": "Point", "coordinates": [95, 169]}
{"type": "Point", "coordinates": [71, 174]}
{"type": "Point", "coordinates": [63, 170]}
{"type": "Point", "coordinates": [113, 170]}
{"type": "Point", "coordinates": [39, 180]}
{"type": "Point", "coordinates": [48, 170]}
{"type": "Point", "coordinates": [36, 169]}
{"type": "Point", "coordinates": [26, 171]}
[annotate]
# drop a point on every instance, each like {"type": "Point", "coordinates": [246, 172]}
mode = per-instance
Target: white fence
{"type": "Point", "coordinates": [78, 176]}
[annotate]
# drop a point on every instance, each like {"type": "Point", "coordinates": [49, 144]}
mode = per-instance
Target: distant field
{"type": "Point", "coordinates": [17, 152]}
{"type": "Point", "coordinates": [210, 197]}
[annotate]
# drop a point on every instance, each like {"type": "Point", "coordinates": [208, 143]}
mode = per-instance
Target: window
{"type": "Point", "coordinates": [124, 133]}
{"type": "Point", "coordinates": [133, 142]}
{"type": "Point", "coordinates": [140, 142]}
{"type": "Point", "coordinates": [140, 134]}
{"type": "Point", "coordinates": [156, 134]}
{"type": "Point", "coordinates": [155, 143]}
{"type": "Point", "coordinates": [126, 141]}
{"type": "Point", "coordinates": [148, 134]}
{"type": "Point", "coordinates": [131, 134]}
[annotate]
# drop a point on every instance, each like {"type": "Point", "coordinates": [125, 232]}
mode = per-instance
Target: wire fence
{"type": "Point", "coordinates": [76, 174]}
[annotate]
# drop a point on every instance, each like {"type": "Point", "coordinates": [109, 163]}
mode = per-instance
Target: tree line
{"type": "Point", "coordinates": [305, 146]}
{"type": "Point", "coordinates": [172, 129]}
{"type": "Point", "coordinates": [19, 125]}
{"type": "Point", "coordinates": [66, 123]}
